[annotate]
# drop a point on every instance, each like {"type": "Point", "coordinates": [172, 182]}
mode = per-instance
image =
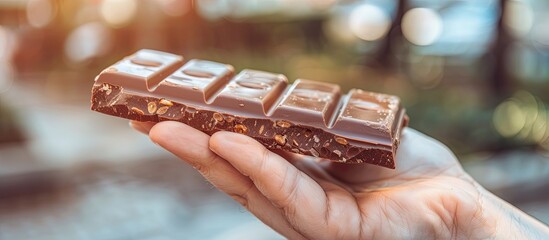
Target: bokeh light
{"type": "Point", "coordinates": [174, 8]}
{"type": "Point", "coordinates": [40, 12]}
{"type": "Point", "coordinates": [337, 29]}
{"type": "Point", "coordinates": [540, 31]}
{"type": "Point", "coordinates": [509, 118]}
{"type": "Point", "coordinates": [369, 22]}
{"type": "Point", "coordinates": [212, 9]}
{"type": "Point", "coordinates": [472, 74]}
{"type": "Point", "coordinates": [6, 43]}
{"type": "Point", "coordinates": [118, 13]}
{"type": "Point", "coordinates": [518, 17]}
{"type": "Point", "coordinates": [524, 117]}
{"type": "Point", "coordinates": [4, 35]}
{"type": "Point", "coordinates": [422, 26]}
{"type": "Point", "coordinates": [87, 41]}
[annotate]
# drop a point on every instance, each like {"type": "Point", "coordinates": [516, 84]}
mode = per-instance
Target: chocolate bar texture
{"type": "Point", "coordinates": [306, 117]}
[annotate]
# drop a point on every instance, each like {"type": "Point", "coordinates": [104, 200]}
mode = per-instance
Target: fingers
{"type": "Point", "coordinates": [314, 168]}
{"type": "Point", "coordinates": [143, 127]}
{"type": "Point", "coordinates": [302, 200]}
{"type": "Point", "coordinates": [191, 145]}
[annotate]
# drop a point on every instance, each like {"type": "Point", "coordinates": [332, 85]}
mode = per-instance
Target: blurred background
{"type": "Point", "coordinates": [473, 74]}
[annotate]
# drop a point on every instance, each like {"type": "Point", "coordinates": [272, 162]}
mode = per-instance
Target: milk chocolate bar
{"type": "Point", "coordinates": [306, 117]}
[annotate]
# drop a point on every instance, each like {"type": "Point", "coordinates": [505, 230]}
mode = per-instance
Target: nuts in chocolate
{"type": "Point", "coordinates": [162, 110]}
{"type": "Point", "coordinates": [151, 107]}
{"type": "Point", "coordinates": [305, 117]}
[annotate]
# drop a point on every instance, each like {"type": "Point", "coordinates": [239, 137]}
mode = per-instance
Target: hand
{"type": "Point", "coordinates": [427, 196]}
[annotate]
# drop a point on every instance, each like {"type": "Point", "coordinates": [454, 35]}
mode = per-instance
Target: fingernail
{"type": "Point", "coordinates": [234, 138]}
{"type": "Point", "coordinates": [228, 140]}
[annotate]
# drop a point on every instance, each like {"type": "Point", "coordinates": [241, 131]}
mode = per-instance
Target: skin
{"type": "Point", "coordinates": [428, 195]}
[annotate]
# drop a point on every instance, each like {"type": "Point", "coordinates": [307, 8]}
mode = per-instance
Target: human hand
{"type": "Point", "coordinates": [427, 196]}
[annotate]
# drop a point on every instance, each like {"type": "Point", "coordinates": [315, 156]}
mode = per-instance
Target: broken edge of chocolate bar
{"type": "Point", "coordinates": [306, 117]}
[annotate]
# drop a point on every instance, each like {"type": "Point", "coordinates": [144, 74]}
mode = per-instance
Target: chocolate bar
{"type": "Point", "coordinates": [306, 117]}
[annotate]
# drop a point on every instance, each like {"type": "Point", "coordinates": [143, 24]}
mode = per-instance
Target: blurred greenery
{"type": "Point", "coordinates": [450, 88]}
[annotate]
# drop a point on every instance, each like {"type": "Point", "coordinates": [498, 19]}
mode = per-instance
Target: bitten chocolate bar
{"type": "Point", "coordinates": [306, 117]}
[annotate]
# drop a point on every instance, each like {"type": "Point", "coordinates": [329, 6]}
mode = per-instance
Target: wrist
{"type": "Point", "coordinates": [472, 212]}
{"type": "Point", "coordinates": [502, 220]}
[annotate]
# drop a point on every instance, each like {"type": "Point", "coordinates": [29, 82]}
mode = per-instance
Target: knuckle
{"type": "Point", "coordinates": [290, 190]}
{"type": "Point", "coordinates": [243, 201]}
{"type": "Point", "coordinates": [242, 197]}
{"type": "Point", "coordinates": [264, 160]}
{"type": "Point", "coordinates": [206, 165]}
{"type": "Point", "coordinates": [203, 170]}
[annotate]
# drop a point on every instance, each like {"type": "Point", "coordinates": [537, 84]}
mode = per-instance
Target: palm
{"type": "Point", "coordinates": [310, 198]}
{"type": "Point", "coordinates": [383, 203]}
